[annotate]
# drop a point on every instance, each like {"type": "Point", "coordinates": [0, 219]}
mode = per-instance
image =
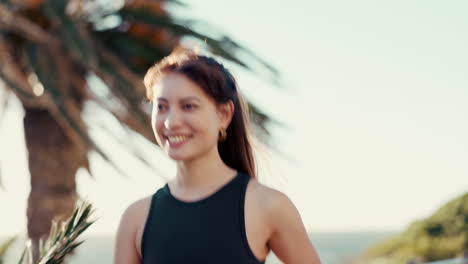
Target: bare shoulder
{"type": "Point", "coordinates": [135, 213]}
{"type": "Point", "coordinates": [277, 208]}
{"type": "Point", "coordinates": [269, 199]}
{"type": "Point", "coordinates": [288, 237]}
{"type": "Point", "coordinates": [138, 209]}
{"type": "Point", "coordinates": [127, 249]}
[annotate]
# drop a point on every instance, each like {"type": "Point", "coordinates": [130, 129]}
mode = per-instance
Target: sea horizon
{"type": "Point", "coordinates": [333, 247]}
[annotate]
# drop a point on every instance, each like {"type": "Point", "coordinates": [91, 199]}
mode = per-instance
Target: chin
{"type": "Point", "coordinates": [180, 156]}
{"type": "Point", "coordinates": [184, 155]}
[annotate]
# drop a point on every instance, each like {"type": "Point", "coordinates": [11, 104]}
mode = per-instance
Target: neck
{"type": "Point", "coordinates": [202, 172]}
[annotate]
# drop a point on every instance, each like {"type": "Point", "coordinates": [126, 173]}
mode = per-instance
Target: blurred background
{"type": "Point", "coordinates": [360, 109]}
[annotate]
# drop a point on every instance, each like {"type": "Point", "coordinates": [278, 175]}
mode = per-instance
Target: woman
{"type": "Point", "coordinates": [214, 210]}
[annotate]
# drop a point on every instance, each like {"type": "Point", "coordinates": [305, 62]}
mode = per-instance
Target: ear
{"type": "Point", "coordinates": [226, 112]}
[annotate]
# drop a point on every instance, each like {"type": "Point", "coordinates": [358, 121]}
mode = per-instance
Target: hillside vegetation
{"type": "Point", "coordinates": [441, 236]}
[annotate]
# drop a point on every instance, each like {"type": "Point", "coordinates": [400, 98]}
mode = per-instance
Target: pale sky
{"type": "Point", "coordinates": [375, 98]}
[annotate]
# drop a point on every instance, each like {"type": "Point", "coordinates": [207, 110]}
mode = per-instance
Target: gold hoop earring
{"type": "Point", "coordinates": [222, 135]}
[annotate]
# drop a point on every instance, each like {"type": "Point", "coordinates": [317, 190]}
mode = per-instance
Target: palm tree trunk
{"type": "Point", "coordinates": [53, 162]}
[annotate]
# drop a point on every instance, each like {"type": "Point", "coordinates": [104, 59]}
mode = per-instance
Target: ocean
{"type": "Point", "coordinates": [333, 248]}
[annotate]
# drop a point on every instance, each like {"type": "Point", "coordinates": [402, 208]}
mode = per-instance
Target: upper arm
{"type": "Point", "coordinates": [126, 251]}
{"type": "Point", "coordinates": [289, 240]}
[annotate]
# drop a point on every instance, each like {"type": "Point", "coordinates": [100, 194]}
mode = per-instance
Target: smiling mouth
{"type": "Point", "coordinates": [177, 139]}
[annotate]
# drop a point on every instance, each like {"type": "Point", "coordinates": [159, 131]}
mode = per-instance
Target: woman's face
{"type": "Point", "coordinates": [185, 120]}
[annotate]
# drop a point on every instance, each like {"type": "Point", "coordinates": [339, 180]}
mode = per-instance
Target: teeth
{"type": "Point", "coordinates": [177, 139]}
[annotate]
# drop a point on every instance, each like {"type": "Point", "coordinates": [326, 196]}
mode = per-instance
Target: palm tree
{"type": "Point", "coordinates": [4, 246]}
{"type": "Point", "coordinates": [50, 48]}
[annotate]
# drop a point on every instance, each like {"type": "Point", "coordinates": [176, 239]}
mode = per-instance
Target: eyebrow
{"type": "Point", "coordinates": [188, 98]}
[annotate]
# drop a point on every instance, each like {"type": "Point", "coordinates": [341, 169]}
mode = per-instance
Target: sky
{"type": "Point", "coordinates": [374, 105]}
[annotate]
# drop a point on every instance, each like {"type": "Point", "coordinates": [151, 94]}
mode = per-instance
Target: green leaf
{"type": "Point", "coordinates": [71, 229]}
{"type": "Point", "coordinates": [130, 48]}
{"type": "Point", "coordinates": [46, 74]}
{"type": "Point", "coordinates": [6, 245]}
{"type": "Point", "coordinates": [124, 83]}
{"type": "Point", "coordinates": [26, 256]}
{"type": "Point", "coordinates": [74, 38]}
{"type": "Point", "coordinates": [10, 84]}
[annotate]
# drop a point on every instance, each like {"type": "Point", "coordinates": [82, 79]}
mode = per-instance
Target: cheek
{"type": "Point", "coordinates": [157, 125]}
{"type": "Point", "coordinates": [208, 124]}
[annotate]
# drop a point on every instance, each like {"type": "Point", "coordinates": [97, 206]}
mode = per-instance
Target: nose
{"type": "Point", "coordinates": [173, 120]}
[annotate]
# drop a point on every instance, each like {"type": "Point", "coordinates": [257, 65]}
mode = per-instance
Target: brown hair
{"type": "Point", "coordinates": [219, 84]}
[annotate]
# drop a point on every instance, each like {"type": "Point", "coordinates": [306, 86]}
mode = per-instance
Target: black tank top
{"type": "Point", "coordinates": [211, 230]}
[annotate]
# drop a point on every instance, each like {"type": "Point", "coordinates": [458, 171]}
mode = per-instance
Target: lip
{"type": "Point", "coordinates": [176, 134]}
{"type": "Point", "coordinates": [176, 144]}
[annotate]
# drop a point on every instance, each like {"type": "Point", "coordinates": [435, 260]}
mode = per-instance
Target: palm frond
{"type": "Point", "coordinates": [26, 256]}
{"type": "Point", "coordinates": [4, 100]}
{"type": "Point", "coordinates": [220, 47]}
{"type": "Point", "coordinates": [137, 52]}
{"type": "Point", "coordinates": [72, 32]}
{"type": "Point", "coordinates": [177, 2]}
{"type": "Point", "coordinates": [126, 84]}
{"type": "Point", "coordinates": [62, 237]}
{"type": "Point", "coordinates": [68, 41]}
{"type": "Point", "coordinates": [66, 111]}
{"type": "Point", "coordinates": [131, 147]}
{"type": "Point", "coordinates": [16, 79]}
{"type": "Point", "coordinates": [4, 246]}
{"type": "Point", "coordinates": [13, 22]}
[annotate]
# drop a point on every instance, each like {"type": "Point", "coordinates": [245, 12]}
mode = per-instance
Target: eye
{"type": "Point", "coordinates": [160, 107]}
{"type": "Point", "coordinates": [188, 107]}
